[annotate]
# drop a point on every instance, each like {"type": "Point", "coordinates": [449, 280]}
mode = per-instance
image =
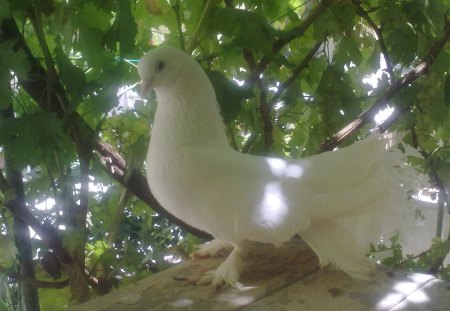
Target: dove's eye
{"type": "Point", "coordinates": [160, 65]}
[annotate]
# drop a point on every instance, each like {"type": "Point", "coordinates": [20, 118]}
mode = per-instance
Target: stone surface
{"type": "Point", "coordinates": [285, 278]}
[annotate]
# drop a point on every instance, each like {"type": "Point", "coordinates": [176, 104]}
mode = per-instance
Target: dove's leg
{"type": "Point", "coordinates": [213, 248]}
{"type": "Point", "coordinates": [229, 271]}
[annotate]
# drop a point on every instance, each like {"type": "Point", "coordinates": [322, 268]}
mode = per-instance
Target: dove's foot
{"type": "Point", "coordinates": [227, 273]}
{"type": "Point", "coordinates": [215, 248]}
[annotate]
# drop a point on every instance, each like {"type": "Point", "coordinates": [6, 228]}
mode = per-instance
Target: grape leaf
{"type": "Point", "coordinates": [127, 29]}
{"type": "Point", "coordinates": [8, 253]}
{"type": "Point", "coordinates": [228, 94]}
{"type": "Point", "coordinates": [32, 138]}
{"type": "Point", "coordinates": [94, 17]}
{"type": "Point", "coordinates": [71, 75]}
{"type": "Point", "coordinates": [4, 10]}
{"type": "Point", "coordinates": [250, 29]}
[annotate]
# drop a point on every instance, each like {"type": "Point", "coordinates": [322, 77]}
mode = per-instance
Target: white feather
{"type": "Point", "coordinates": [337, 201]}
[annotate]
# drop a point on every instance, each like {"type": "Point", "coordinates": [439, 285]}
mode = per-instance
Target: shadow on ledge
{"type": "Point", "coordinates": [285, 278]}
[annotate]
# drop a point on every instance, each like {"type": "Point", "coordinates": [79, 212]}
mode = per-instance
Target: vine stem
{"type": "Point", "coordinates": [378, 32]}
{"type": "Point", "coordinates": [296, 72]}
{"type": "Point", "coordinates": [200, 26]}
{"type": "Point", "coordinates": [179, 23]}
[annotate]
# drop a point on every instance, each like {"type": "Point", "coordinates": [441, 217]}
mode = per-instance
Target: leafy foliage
{"type": "Point", "coordinates": [429, 261]}
{"type": "Point", "coordinates": [288, 75]}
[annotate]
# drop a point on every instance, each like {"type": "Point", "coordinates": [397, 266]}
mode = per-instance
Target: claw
{"type": "Point", "coordinates": [215, 248]}
{"type": "Point", "coordinates": [226, 274]}
{"type": "Point", "coordinates": [206, 278]}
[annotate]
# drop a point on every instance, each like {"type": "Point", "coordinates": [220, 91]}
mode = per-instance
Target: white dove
{"type": "Point", "coordinates": [329, 199]}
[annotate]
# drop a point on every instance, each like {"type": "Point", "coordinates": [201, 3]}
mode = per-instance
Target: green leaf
{"type": "Point", "coordinates": [72, 76]}
{"type": "Point", "coordinates": [94, 17]}
{"type": "Point", "coordinates": [73, 239]}
{"type": "Point", "coordinates": [447, 91]}
{"type": "Point", "coordinates": [436, 14]}
{"type": "Point", "coordinates": [406, 42]}
{"type": "Point", "coordinates": [33, 138]}
{"type": "Point", "coordinates": [248, 28]}
{"type": "Point", "coordinates": [291, 94]}
{"type": "Point", "coordinates": [16, 5]}
{"type": "Point", "coordinates": [344, 15]}
{"type": "Point", "coordinates": [4, 10]}
{"type": "Point", "coordinates": [8, 253]}
{"type": "Point", "coordinates": [55, 299]}
{"type": "Point", "coordinates": [348, 51]}
{"type": "Point", "coordinates": [137, 152]}
{"type": "Point", "coordinates": [229, 95]}
{"type": "Point", "coordinates": [126, 27]}
{"type": "Point", "coordinates": [372, 62]}
{"type": "Point", "coordinates": [14, 61]}
{"type": "Point", "coordinates": [89, 44]}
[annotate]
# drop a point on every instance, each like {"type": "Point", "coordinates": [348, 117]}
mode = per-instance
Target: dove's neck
{"type": "Point", "coordinates": [188, 114]}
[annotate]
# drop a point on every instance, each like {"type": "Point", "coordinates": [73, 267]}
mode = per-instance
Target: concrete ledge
{"type": "Point", "coordinates": [285, 278]}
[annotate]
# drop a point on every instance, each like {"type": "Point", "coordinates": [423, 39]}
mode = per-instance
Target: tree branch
{"type": "Point", "coordinates": [257, 70]}
{"type": "Point", "coordinates": [249, 143]}
{"type": "Point", "coordinates": [35, 86]}
{"type": "Point", "coordinates": [280, 43]}
{"type": "Point", "coordinates": [367, 116]}
{"type": "Point", "coordinates": [296, 72]}
{"type": "Point", "coordinates": [115, 165]}
{"type": "Point", "coordinates": [21, 231]}
{"type": "Point", "coordinates": [264, 107]}
{"type": "Point", "coordinates": [33, 282]}
{"type": "Point", "coordinates": [377, 30]}
{"type": "Point", "coordinates": [20, 210]}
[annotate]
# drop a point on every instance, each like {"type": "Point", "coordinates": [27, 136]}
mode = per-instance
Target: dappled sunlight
{"type": "Point", "coordinates": [281, 168]}
{"type": "Point", "coordinates": [383, 114]}
{"type": "Point", "coordinates": [182, 303]}
{"type": "Point", "coordinates": [273, 209]}
{"type": "Point", "coordinates": [237, 298]}
{"type": "Point", "coordinates": [407, 292]}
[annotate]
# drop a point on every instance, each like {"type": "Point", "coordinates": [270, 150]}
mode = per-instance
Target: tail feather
{"type": "Point", "coordinates": [335, 245]}
{"type": "Point", "coordinates": [343, 242]}
{"type": "Point", "coordinates": [368, 175]}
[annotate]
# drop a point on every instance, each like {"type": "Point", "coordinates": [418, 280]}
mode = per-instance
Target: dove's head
{"type": "Point", "coordinates": [163, 66]}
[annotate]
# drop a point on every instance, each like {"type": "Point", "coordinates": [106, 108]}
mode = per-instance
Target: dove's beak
{"type": "Point", "coordinates": [146, 86]}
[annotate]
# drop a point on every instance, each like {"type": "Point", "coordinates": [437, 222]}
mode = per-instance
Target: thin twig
{"type": "Point", "coordinates": [176, 8]}
{"type": "Point", "coordinates": [232, 138]}
{"type": "Point", "coordinates": [280, 43]}
{"type": "Point", "coordinates": [442, 199]}
{"type": "Point", "coordinates": [296, 72]}
{"type": "Point", "coordinates": [249, 143]}
{"type": "Point", "coordinates": [377, 30]}
{"type": "Point", "coordinates": [35, 19]}
{"type": "Point", "coordinates": [118, 216]}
